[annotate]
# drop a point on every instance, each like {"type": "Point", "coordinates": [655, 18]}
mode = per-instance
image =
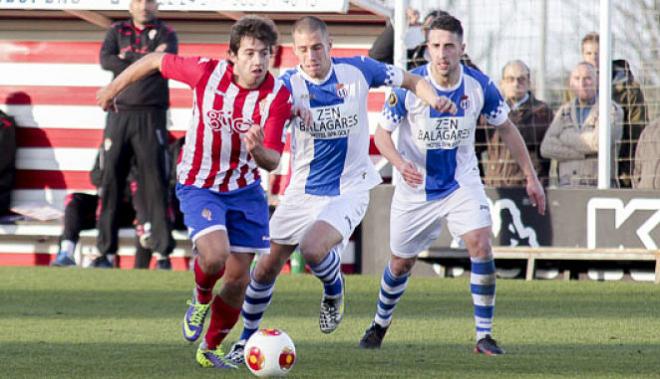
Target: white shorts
{"type": "Point", "coordinates": [415, 225]}
{"type": "Point", "coordinates": [297, 212]}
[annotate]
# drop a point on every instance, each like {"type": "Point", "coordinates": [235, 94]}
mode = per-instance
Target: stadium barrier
{"type": "Point", "coordinates": [579, 225]}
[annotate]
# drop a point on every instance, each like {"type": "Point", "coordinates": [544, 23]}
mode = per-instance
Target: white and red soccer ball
{"type": "Point", "coordinates": [270, 352]}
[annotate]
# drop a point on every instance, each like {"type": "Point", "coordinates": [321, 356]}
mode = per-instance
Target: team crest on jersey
{"type": "Point", "coordinates": [152, 33]}
{"type": "Point", "coordinates": [341, 90]}
{"type": "Point", "coordinates": [206, 213]}
{"type": "Point", "coordinates": [465, 102]}
{"type": "Point", "coordinates": [220, 119]}
{"type": "Point", "coordinates": [392, 99]}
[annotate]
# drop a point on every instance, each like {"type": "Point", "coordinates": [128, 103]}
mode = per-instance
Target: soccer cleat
{"type": "Point", "coordinates": [213, 358]}
{"type": "Point", "coordinates": [488, 346]}
{"type": "Point", "coordinates": [63, 260]}
{"type": "Point", "coordinates": [164, 264]}
{"type": "Point", "coordinates": [102, 262]}
{"type": "Point", "coordinates": [193, 321]}
{"type": "Point", "coordinates": [373, 336]}
{"type": "Point", "coordinates": [332, 310]}
{"type": "Point", "coordinates": [236, 353]}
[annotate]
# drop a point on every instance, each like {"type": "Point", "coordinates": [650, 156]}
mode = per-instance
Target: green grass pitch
{"type": "Point", "coordinates": [72, 323]}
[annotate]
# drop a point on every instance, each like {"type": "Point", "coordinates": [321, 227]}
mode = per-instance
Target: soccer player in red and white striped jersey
{"type": "Point", "coordinates": [238, 117]}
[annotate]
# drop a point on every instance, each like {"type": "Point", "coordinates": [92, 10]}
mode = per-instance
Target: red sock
{"type": "Point", "coordinates": [223, 318]}
{"type": "Point", "coordinates": [205, 283]}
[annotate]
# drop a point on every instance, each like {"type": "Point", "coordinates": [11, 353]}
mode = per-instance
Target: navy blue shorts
{"type": "Point", "coordinates": [242, 213]}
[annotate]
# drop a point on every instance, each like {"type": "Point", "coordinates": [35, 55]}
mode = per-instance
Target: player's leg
{"type": "Point", "coordinates": [413, 227]}
{"type": "Point", "coordinates": [322, 245]}
{"type": "Point", "coordinates": [258, 295]}
{"type": "Point", "coordinates": [226, 308]}
{"type": "Point", "coordinates": [482, 287]}
{"type": "Point", "coordinates": [469, 218]}
{"type": "Point", "coordinates": [205, 216]}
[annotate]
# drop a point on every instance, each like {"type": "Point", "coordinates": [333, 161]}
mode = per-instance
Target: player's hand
{"type": "Point", "coordinates": [410, 174]}
{"type": "Point", "coordinates": [536, 194]}
{"type": "Point", "coordinates": [161, 48]}
{"type": "Point", "coordinates": [105, 98]}
{"type": "Point", "coordinates": [444, 105]}
{"type": "Point", "coordinates": [305, 114]}
{"type": "Point", "coordinates": [253, 138]}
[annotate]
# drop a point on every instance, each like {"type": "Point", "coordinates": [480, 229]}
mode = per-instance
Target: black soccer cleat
{"type": "Point", "coordinates": [488, 346]}
{"type": "Point", "coordinates": [373, 336]}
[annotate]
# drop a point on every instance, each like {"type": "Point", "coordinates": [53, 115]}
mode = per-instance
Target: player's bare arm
{"type": "Point", "coordinates": [423, 89]}
{"type": "Point", "coordinates": [385, 144]}
{"type": "Point", "coordinates": [138, 70]}
{"type": "Point", "coordinates": [264, 157]}
{"type": "Point", "coordinates": [515, 143]}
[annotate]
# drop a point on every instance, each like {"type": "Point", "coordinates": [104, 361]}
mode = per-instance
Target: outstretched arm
{"type": "Point", "coordinates": [147, 65]}
{"type": "Point", "coordinates": [423, 89]}
{"type": "Point", "coordinates": [514, 141]}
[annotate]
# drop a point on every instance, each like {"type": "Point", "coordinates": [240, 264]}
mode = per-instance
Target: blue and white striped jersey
{"type": "Point", "coordinates": [441, 145]}
{"type": "Point", "coordinates": [331, 156]}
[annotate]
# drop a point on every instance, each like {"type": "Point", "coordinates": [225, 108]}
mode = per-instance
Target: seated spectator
{"type": "Point", "coordinates": [7, 160]}
{"type": "Point", "coordinates": [647, 158]}
{"type": "Point", "coordinates": [628, 94]}
{"type": "Point", "coordinates": [531, 116]}
{"type": "Point", "coordinates": [81, 213]}
{"type": "Point", "coordinates": [572, 138]}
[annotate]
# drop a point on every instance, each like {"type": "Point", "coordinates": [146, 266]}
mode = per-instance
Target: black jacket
{"type": "Point", "coordinates": [124, 39]}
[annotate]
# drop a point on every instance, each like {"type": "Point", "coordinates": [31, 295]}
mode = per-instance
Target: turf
{"type": "Point", "coordinates": [65, 323]}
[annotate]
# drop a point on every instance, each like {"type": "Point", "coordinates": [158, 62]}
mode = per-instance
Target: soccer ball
{"type": "Point", "coordinates": [270, 352]}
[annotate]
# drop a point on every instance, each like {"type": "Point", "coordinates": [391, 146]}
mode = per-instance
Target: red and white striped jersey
{"type": "Point", "coordinates": [214, 155]}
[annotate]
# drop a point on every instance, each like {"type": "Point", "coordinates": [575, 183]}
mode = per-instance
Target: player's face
{"type": "Point", "coordinates": [313, 52]}
{"type": "Point", "coordinates": [590, 53]}
{"type": "Point", "coordinates": [584, 83]}
{"type": "Point", "coordinates": [143, 11]}
{"type": "Point", "coordinates": [446, 50]}
{"type": "Point", "coordinates": [515, 83]}
{"type": "Point", "coordinates": [250, 62]}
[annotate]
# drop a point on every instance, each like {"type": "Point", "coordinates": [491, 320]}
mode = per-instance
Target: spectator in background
{"type": "Point", "coordinates": [7, 160]}
{"type": "Point", "coordinates": [383, 47]}
{"type": "Point", "coordinates": [572, 138]}
{"type": "Point", "coordinates": [647, 158]}
{"type": "Point", "coordinates": [136, 127]}
{"type": "Point", "coordinates": [80, 214]}
{"type": "Point", "coordinates": [531, 116]}
{"type": "Point", "coordinates": [628, 94]}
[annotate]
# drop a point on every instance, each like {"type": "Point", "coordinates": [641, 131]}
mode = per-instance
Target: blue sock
{"type": "Point", "coordinates": [257, 300]}
{"type": "Point", "coordinates": [391, 289]}
{"type": "Point", "coordinates": [482, 287]}
{"type": "Point", "coordinates": [329, 271]}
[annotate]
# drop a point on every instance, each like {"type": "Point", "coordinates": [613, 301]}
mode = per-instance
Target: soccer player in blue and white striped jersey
{"type": "Point", "coordinates": [439, 177]}
{"type": "Point", "coordinates": [332, 173]}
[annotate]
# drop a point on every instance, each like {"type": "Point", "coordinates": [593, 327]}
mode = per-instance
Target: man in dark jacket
{"type": "Point", "coordinates": [531, 116]}
{"type": "Point", "coordinates": [136, 127]}
{"type": "Point", "coordinates": [7, 160]}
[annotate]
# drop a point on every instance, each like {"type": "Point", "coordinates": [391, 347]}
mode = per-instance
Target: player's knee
{"type": "Point", "coordinates": [212, 262]}
{"type": "Point", "coordinates": [265, 273]}
{"type": "Point", "coordinates": [234, 287]}
{"type": "Point", "coordinates": [401, 266]}
{"type": "Point", "coordinates": [312, 251]}
{"type": "Point", "coordinates": [480, 248]}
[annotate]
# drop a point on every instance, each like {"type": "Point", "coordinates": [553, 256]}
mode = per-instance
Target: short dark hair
{"type": "Point", "coordinates": [590, 37]}
{"type": "Point", "coordinates": [309, 24]}
{"type": "Point", "coordinates": [448, 23]}
{"type": "Point", "coordinates": [257, 27]}
{"type": "Point", "coordinates": [434, 14]}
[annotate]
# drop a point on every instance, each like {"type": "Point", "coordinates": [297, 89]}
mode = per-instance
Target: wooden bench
{"type": "Point", "coordinates": [37, 243]}
{"type": "Point", "coordinates": [532, 254]}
